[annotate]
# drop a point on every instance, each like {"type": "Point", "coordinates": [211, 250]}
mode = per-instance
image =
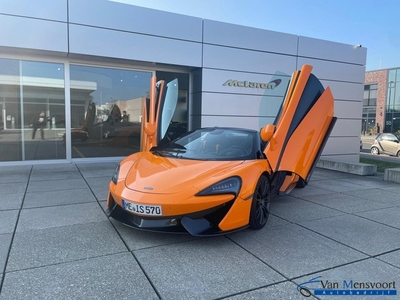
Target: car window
{"type": "Point", "coordinates": [389, 137]}
{"type": "Point", "coordinates": [213, 144]}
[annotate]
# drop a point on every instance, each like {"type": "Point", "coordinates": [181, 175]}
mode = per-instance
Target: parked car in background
{"type": "Point", "coordinates": [386, 143]}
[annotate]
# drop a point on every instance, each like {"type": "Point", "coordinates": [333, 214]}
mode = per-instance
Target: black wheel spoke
{"type": "Point", "coordinates": [261, 204]}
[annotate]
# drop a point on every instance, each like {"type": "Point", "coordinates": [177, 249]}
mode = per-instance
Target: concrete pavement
{"type": "Point", "coordinates": [56, 242]}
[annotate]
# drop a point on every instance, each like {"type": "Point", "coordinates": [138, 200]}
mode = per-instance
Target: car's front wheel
{"type": "Point", "coordinates": [260, 205]}
{"type": "Point", "coordinates": [374, 151]}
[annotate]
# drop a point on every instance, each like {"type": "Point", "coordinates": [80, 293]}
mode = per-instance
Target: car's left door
{"type": "Point", "coordinates": [157, 112]}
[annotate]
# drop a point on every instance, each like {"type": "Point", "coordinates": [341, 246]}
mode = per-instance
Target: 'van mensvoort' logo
{"type": "Point", "coordinates": [346, 288]}
{"type": "Point", "coordinates": [255, 85]}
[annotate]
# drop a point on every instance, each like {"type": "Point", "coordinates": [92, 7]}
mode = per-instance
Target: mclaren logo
{"type": "Point", "coordinates": [256, 85]}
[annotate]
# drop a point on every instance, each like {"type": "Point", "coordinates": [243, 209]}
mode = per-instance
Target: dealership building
{"type": "Point", "coordinates": [83, 69]}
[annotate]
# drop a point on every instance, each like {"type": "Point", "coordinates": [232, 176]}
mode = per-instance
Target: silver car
{"type": "Point", "coordinates": [386, 143]}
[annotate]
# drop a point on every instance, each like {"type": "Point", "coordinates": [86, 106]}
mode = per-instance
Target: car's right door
{"type": "Point", "coordinates": [302, 128]}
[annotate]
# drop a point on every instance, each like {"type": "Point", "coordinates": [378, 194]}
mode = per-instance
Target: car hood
{"type": "Point", "coordinates": [163, 175]}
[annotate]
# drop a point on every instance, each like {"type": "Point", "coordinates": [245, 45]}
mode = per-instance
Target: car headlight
{"type": "Point", "coordinates": [114, 178]}
{"type": "Point", "coordinates": [230, 185]}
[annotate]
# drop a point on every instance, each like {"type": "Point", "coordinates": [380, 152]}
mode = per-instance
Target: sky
{"type": "Point", "coordinates": [375, 24]}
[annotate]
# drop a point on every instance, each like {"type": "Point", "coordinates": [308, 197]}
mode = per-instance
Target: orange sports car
{"type": "Point", "coordinates": [217, 180]}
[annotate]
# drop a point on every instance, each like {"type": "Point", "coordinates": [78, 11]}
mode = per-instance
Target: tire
{"type": "Point", "coordinates": [398, 154]}
{"type": "Point", "coordinates": [260, 205]}
{"type": "Point", "coordinates": [374, 151]}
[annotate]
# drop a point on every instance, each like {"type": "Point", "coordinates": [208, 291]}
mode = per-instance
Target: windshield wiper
{"type": "Point", "coordinates": [156, 152]}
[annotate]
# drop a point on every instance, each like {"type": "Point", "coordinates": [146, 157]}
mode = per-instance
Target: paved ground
{"type": "Point", "coordinates": [56, 242]}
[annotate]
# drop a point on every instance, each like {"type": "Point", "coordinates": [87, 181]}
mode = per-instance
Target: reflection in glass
{"type": "Point", "coordinates": [169, 108]}
{"type": "Point", "coordinates": [179, 123]}
{"type": "Point", "coordinates": [272, 99]}
{"type": "Point", "coordinates": [32, 105]}
{"type": "Point", "coordinates": [106, 107]}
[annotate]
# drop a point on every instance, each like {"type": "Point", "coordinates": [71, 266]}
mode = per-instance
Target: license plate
{"type": "Point", "coordinates": [141, 209]}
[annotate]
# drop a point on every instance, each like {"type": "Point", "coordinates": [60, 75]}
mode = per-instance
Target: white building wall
{"type": "Point", "coordinates": [243, 53]}
{"type": "Point", "coordinates": [214, 51]}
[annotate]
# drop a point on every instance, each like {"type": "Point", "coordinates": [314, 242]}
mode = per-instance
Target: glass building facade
{"type": "Point", "coordinates": [63, 111]}
{"type": "Point", "coordinates": [393, 101]}
{"type": "Point", "coordinates": [369, 109]}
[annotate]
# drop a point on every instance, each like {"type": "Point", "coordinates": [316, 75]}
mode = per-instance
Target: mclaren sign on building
{"type": "Point", "coordinates": [250, 84]}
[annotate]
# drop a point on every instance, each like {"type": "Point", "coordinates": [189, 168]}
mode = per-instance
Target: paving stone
{"type": "Point", "coordinates": [364, 235]}
{"type": "Point", "coordinates": [339, 185]}
{"type": "Point", "coordinates": [310, 191]}
{"type": "Point", "coordinates": [387, 216]}
{"type": "Point", "coordinates": [100, 192]}
{"type": "Point", "coordinates": [94, 173]}
{"type": "Point", "coordinates": [5, 244]}
{"type": "Point", "coordinates": [43, 247]}
{"type": "Point", "coordinates": [388, 198]}
{"type": "Point", "coordinates": [392, 258]}
{"type": "Point", "coordinates": [11, 201]}
{"type": "Point", "coordinates": [59, 175]}
{"type": "Point", "coordinates": [107, 277]}
{"type": "Point", "coordinates": [58, 216]}
{"type": "Point", "coordinates": [8, 220]}
{"type": "Point", "coordinates": [13, 178]}
{"type": "Point", "coordinates": [55, 185]}
{"type": "Point", "coordinates": [54, 167]}
{"type": "Point", "coordinates": [346, 203]}
{"type": "Point", "coordinates": [204, 269]}
{"type": "Point", "coordinates": [297, 210]}
{"type": "Point", "coordinates": [7, 170]}
{"type": "Point", "coordinates": [324, 174]}
{"type": "Point", "coordinates": [294, 250]}
{"type": "Point", "coordinates": [96, 166]}
{"type": "Point", "coordinates": [99, 186]}
{"type": "Point", "coordinates": [102, 181]}
{"type": "Point", "coordinates": [275, 221]}
{"type": "Point", "coordinates": [13, 188]}
{"type": "Point", "coordinates": [53, 198]}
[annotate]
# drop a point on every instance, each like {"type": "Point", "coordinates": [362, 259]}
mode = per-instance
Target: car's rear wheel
{"type": "Point", "coordinates": [398, 154]}
{"type": "Point", "coordinates": [374, 151]}
{"type": "Point", "coordinates": [260, 205]}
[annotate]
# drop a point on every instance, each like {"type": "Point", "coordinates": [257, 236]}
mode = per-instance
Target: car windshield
{"type": "Point", "coordinates": [212, 144]}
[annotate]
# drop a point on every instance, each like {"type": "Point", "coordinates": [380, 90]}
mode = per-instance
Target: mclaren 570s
{"type": "Point", "coordinates": [213, 181]}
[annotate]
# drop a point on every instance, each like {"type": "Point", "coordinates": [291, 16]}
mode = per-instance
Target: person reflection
{"type": "Point", "coordinates": [39, 124]}
{"type": "Point", "coordinates": [90, 117]}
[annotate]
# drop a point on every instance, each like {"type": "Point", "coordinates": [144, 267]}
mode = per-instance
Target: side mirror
{"type": "Point", "coordinates": [267, 132]}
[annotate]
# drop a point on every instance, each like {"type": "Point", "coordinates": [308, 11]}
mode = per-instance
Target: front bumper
{"type": "Point", "coordinates": [202, 223]}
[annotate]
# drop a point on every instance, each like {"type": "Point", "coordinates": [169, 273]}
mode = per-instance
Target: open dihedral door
{"type": "Point", "coordinates": [302, 129]}
{"type": "Point", "coordinates": [157, 112]}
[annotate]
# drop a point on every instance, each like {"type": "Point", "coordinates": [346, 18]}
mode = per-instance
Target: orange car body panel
{"type": "Point", "coordinates": [150, 117]}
